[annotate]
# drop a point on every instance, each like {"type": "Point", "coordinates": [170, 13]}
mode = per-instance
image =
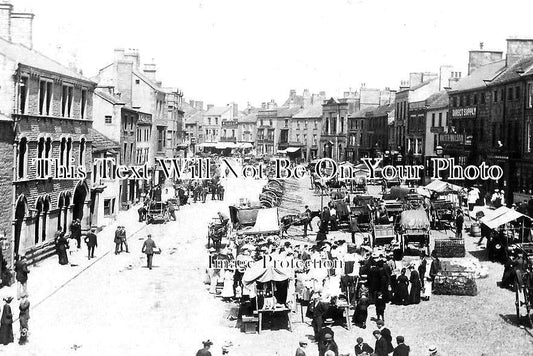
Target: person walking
{"type": "Point", "coordinates": [416, 286]}
{"type": "Point", "coordinates": [402, 349]}
{"type": "Point", "coordinates": [401, 297]}
{"type": "Point", "coordinates": [361, 311]}
{"type": "Point", "coordinates": [21, 275]}
{"type": "Point", "coordinates": [75, 231]}
{"type": "Point", "coordinates": [149, 249]}
{"type": "Point", "coordinates": [307, 220]}
{"type": "Point", "coordinates": [61, 245]}
{"type": "Point", "coordinates": [123, 240]}
{"type": "Point", "coordinates": [459, 221]}
{"type": "Point", "coordinates": [118, 240]}
{"type": "Point", "coordinates": [422, 267]}
{"type": "Point", "coordinates": [91, 241]}
{"type": "Point", "coordinates": [24, 317]}
{"type": "Point", "coordinates": [6, 323]}
{"type": "Point", "coordinates": [380, 307]}
{"type": "Point", "coordinates": [386, 334]}
{"type": "Point", "coordinates": [171, 211]}
{"type": "Point", "coordinates": [380, 348]}
{"type": "Point", "coordinates": [362, 348]}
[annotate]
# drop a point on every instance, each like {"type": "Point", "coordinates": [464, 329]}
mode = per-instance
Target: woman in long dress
{"type": "Point", "coordinates": [61, 247]}
{"type": "Point", "coordinates": [6, 323]}
{"type": "Point", "coordinates": [227, 291]}
{"type": "Point", "coordinates": [24, 317]}
{"type": "Point", "coordinates": [401, 296]}
{"type": "Point", "coordinates": [361, 312]}
{"type": "Point", "coordinates": [416, 287]}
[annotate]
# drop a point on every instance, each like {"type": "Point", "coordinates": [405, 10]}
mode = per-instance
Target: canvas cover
{"type": "Point", "coordinates": [501, 216]}
{"type": "Point", "coordinates": [267, 221]}
{"type": "Point", "coordinates": [440, 187]}
{"type": "Point", "coordinates": [264, 271]}
{"type": "Point", "coordinates": [414, 219]}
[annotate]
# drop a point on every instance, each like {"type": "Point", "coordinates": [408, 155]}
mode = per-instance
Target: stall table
{"type": "Point", "coordinates": [274, 311]}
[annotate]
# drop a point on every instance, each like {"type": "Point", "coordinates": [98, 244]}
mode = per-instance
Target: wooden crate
{"type": "Point", "coordinates": [250, 324]}
{"type": "Point", "coordinates": [450, 248]}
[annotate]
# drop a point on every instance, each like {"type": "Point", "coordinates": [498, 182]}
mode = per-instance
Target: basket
{"type": "Point", "coordinates": [455, 283]}
{"type": "Point", "coordinates": [450, 248]}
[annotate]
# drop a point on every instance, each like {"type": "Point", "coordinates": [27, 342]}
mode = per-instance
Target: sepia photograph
{"type": "Point", "coordinates": [266, 178]}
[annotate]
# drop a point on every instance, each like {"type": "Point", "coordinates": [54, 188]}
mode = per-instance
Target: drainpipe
{"type": "Point", "coordinates": [14, 170]}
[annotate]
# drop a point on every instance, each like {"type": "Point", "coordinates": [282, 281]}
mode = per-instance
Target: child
{"type": "Point", "coordinates": [380, 307]}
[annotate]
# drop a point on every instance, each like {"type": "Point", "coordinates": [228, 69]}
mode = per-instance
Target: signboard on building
{"type": "Point", "coordinates": [470, 111]}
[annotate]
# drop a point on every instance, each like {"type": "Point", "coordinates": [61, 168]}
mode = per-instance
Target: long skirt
{"type": "Point", "coordinates": [63, 258]}
{"type": "Point", "coordinates": [6, 334]}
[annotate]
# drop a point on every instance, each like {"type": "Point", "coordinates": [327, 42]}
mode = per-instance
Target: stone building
{"type": "Point", "coordinates": [333, 139]}
{"type": "Point", "coordinates": [306, 128]}
{"type": "Point", "coordinates": [46, 113]}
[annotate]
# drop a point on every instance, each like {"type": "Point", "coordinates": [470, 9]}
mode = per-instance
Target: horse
{"type": "Point", "coordinates": [295, 220]}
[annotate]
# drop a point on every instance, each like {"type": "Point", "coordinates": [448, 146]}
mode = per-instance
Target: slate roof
{"type": "Point", "coordinates": [100, 142]}
{"type": "Point", "coordinates": [423, 84]}
{"type": "Point", "coordinates": [477, 78]}
{"type": "Point", "coordinates": [251, 117]}
{"type": "Point", "coordinates": [438, 100]}
{"type": "Point", "coordinates": [288, 112]}
{"type": "Point", "coordinates": [362, 113]}
{"type": "Point", "coordinates": [313, 111]}
{"type": "Point", "coordinates": [217, 110]}
{"type": "Point", "coordinates": [515, 71]}
{"type": "Point", "coordinates": [382, 110]}
{"type": "Point", "coordinates": [113, 100]}
{"type": "Point", "coordinates": [35, 59]}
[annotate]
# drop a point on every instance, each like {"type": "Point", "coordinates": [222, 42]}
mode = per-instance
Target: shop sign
{"type": "Point", "coordinates": [470, 111]}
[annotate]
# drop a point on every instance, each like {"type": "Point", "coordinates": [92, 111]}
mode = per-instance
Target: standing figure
{"type": "Point", "coordinates": [402, 349]}
{"type": "Point", "coordinates": [75, 231]}
{"type": "Point", "coordinates": [149, 248]}
{"type": "Point", "coordinates": [416, 286]}
{"type": "Point", "coordinates": [24, 317]}
{"type": "Point", "coordinates": [61, 244]}
{"type": "Point", "coordinates": [459, 220]}
{"type": "Point", "coordinates": [402, 289]}
{"type": "Point", "coordinates": [123, 240]}
{"type": "Point", "coordinates": [422, 267]}
{"type": "Point", "coordinates": [205, 351]}
{"type": "Point", "coordinates": [6, 323]}
{"type": "Point", "coordinates": [171, 211]}
{"type": "Point", "coordinates": [118, 240]}
{"type": "Point", "coordinates": [91, 242]}
{"type": "Point", "coordinates": [380, 307]}
{"type": "Point", "coordinates": [142, 213]}
{"type": "Point", "coordinates": [21, 271]}
{"type": "Point", "coordinates": [220, 192]}
{"type": "Point", "coordinates": [361, 312]}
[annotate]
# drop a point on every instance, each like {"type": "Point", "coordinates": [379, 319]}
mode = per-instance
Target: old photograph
{"type": "Point", "coordinates": [266, 178]}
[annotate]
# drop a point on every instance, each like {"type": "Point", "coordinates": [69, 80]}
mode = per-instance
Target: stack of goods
{"type": "Point", "coordinates": [450, 247]}
{"type": "Point", "coordinates": [455, 283]}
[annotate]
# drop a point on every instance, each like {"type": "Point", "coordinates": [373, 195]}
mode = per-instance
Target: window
{"type": "Point", "coordinates": [495, 96]}
{"type": "Point", "coordinates": [462, 101]}
{"type": "Point", "coordinates": [209, 121]}
{"type": "Point", "coordinates": [66, 101]}
{"type": "Point", "coordinates": [530, 95]}
{"type": "Point", "coordinates": [440, 119]}
{"type": "Point", "coordinates": [45, 97]}
{"type": "Point", "coordinates": [467, 100]}
{"type": "Point", "coordinates": [475, 99]}
{"type": "Point", "coordinates": [124, 153]}
{"type": "Point", "coordinates": [40, 154]}
{"type": "Point", "coordinates": [314, 140]}
{"type": "Point", "coordinates": [298, 125]}
{"type": "Point", "coordinates": [131, 123]}
{"type": "Point", "coordinates": [108, 119]}
{"type": "Point", "coordinates": [48, 151]}
{"type": "Point", "coordinates": [528, 136]}
{"type": "Point", "coordinates": [23, 94]}
{"type": "Point", "coordinates": [216, 120]}
{"type": "Point", "coordinates": [433, 120]}
{"type": "Point", "coordinates": [131, 152]}
{"type": "Point", "coordinates": [509, 94]}
{"type": "Point", "coordinates": [137, 81]}
{"type": "Point", "coordinates": [286, 123]}
{"type": "Point", "coordinates": [517, 93]}
{"type": "Point", "coordinates": [82, 152]}
{"type": "Point", "coordinates": [109, 206]}
{"type": "Point", "coordinates": [22, 158]}
{"type": "Point", "coordinates": [305, 124]}
{"type": "Point", "coordinates": [482, 98]}
{"type": "Point", "coordinates": [297, 138]}
{"type": "Point", "coordinates": [454, 101]}
{"type": "Point", "coordinates": [62, 151]}
{"type": "Point", "coordinates": [83, 102]}
{"type": "Point", "coordinates": [68, 157]}
{"type": "Point", "coordinates": [270, 122]}
{"type": "Point", "coordinates": [160, 139]}
{"type": "Point", "coordinates": [316, 124]}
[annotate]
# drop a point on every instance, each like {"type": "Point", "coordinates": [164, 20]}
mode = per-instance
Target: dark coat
{"type": "Point", "coordinates": [21, 269]}
{"type": "Point", "coordinates": [149, 247]}
{"type": "Point", "coordinates": [381, 347]}
{"type": "Point", "coordinates": [6, 326]}
{"type": "Point", "coordinates": [401, 350]}
{"type": "Point", "coordinates": [402, 291]}
{"type": "Point", "coordinates": [91, 240]}
{"type": "Point", "coordinates": [416, 288]}
{"type": "Point", "coordinates": [364, 347]}
{"type": "Point", "coordinates": [422, 269]}
{"type": "Point", "coordinates": [386, 334]}
{"type": "Point", "coordinates": [118, 238]}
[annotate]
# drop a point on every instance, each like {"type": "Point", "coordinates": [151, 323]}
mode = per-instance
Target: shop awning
{"type": "Point", "coordinates": [282, 151]}
{"type": "Point", "coordinates": [440, 187]}
{"type": "Point", "coordinates": [246, 145]}
{"type": "Point", "coordinates": [207, 144]}
{"type": "Point", "coordinates": [292, 149]}
{"type": "Point", "coordinates": [501, 216]}
{"type": "Point", "coordinates": [225, 145]}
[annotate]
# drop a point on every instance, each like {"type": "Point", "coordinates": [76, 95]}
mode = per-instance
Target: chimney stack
{"type": "Point", "coordinates": [119, 54]}
{"type": "Point", "coordinates": [133, 55]}
{"type": "Point", "coordinates": [210, 106]}
{"type": "Point", "coordinates": [517, 49]}
{"type": "Point", "coordinates": [482, 57]}
{"type": "Point", "coordinates": [199, 105]}
{"type": "Point", "coordinates": [5, 20]}
{"type": "Point", "coordinates": [22, 29]}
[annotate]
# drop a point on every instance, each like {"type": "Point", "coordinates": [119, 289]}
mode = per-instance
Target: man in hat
{"type": "Point", "coordinates": [300, 351]}
{"type": "Point", "coordinates": [362, 348]}
{"type": "Point", "coordinates": [402, 349]}
{"type": "Point", "coordinates": [433, 351]}
{"type": "Point", "coordinates": [149, 248]}
{"type": "Point", "coordinates": [328, 344]}
{"type": "Point", "coordinates": [319, 309]}
{"type": "Point", "coordinates": [205, 351]}
{"type": "Point", "coordinates": [91, 241]}
{"type": "Point", "coordinates": [21, 275]}
{"type": "Point", "coordinates": [381, 347]}
{"type": "Point", "coordinates": [75, 231]}
{"type": "Point", "coordinates": [459, 220]}
{"type": "Point", "coordinates": [123, 240]}
{"type": "Point", "coordinates": [386, 334]}
{"type": "Point", "coordinates": [117, 240]}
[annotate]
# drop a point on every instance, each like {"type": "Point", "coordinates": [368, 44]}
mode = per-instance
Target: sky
{"type": "Point", "coordinates": [222, 51]}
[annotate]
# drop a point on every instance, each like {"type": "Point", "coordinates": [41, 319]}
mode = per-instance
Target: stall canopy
{"type": "Point", "coordinates": [264, 272]}
{"type": "Point", "coordinates": [224, 145]}
{"type": "Point", "coordinates": [207, 144]}
{"type": "Point", "coordinates": [267, 221]}
{"type": "Point", "coordinates": [414, 219]}
{"type": "Point", "coordinates": [501, 216]}
{"type": "Point", "coordinates": [245, 145]}
{"type": "Point", "coordinates": [441, 187]}
{"type": "Point", "coordinates": [292, 149]}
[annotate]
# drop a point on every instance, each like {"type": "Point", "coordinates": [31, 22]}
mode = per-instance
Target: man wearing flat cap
{"type": "Point", "coordinates": [381, 348]}
{"type": "Point", "coordinates": [117, 240]}
{"type": "Point", "coordinates": [205, 350]}
{"type": "Point", "coordinates": [328, 344]}
{"type": "Point", "coordinates": [362, 348]}
{"type": "Point", "coordinates": [149, 249]}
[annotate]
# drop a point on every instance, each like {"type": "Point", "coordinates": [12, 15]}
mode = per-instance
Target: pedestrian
{"type": "Point", "coordinates": [300, 351]}
{"type": "Point", "coordinates": [91, 241]}
{"type": "Point", "coordinates": [149, 248]}
{"type": "Point", "coordinates": [361, 311]}
{"type": "Point", "coordinates": [362, 348]}
{"type": "Point", "coordinates": [459, 220]}
{"type": "Point", "coordinates": [205, 350]}
{"type": "Point", "coordinates": [61, 245]}
{"type": "Point", "coordinates": [329, 345]}
{"type": "Point", "coordinates": [325, 220]}
{"type": "Point", "coordinates": [333, 218]}
{"type": "Point", "coordinates": [75, 231]}
{"type": "Point", "coordinates": [220, 192]}
{"type": "Point", "coordinates": [416, 286]}
{"type": "Point", "coordinates": [123, 240]}
{"type": "Point", "coordinates": [6, 323]}
{"type": "Point", "coordinates": [386, 334]}
{"type": "Point", "coordinates": [435, 266]}
{"type": "Point", "coordinates": [380, 348]}
{"type": "Point", "coordinates": [401, 297]}
{"type": "Point", "coordinates": [354, 228]}
{"type": "Point", "coordinates": [422, 267]}
{"type": "Point", "coordinates": [380, 307]}
{"type": "Point", "coordinates": [307, 220]}
{"type": "Point", "coordinates": [402, 349]}
{"type": "Point", "coordinates": [118, 240]}
{"type": "Point", "coordinates": [21, 275]}
{"type": "Point", "coordinates": [318, 309]}
{"type": "Point", "coordinates": [473, 196]}
{"type": "Point", "coordinates": [24, 317]}
{"type": "Point", "coordinates": [172, 211]}
{"type": "Point", "coordinates": [142, 213]}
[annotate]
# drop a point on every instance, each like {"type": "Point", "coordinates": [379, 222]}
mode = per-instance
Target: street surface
{"type": "Point", "coordinates": [119, 307]}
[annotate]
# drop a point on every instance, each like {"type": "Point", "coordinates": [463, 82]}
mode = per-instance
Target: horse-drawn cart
{"type": "Point", "coordinates": [415, 228]}
{"type": "Point", "coordinates": [383, 234]}
{"type": "Point", "coordinates": [443, 214]}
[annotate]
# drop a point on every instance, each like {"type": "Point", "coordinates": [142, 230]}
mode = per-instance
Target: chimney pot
{"type": "Point", "coordinates": [22, 29]}
{"type": "Point", "coordinates": [5, 20]}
